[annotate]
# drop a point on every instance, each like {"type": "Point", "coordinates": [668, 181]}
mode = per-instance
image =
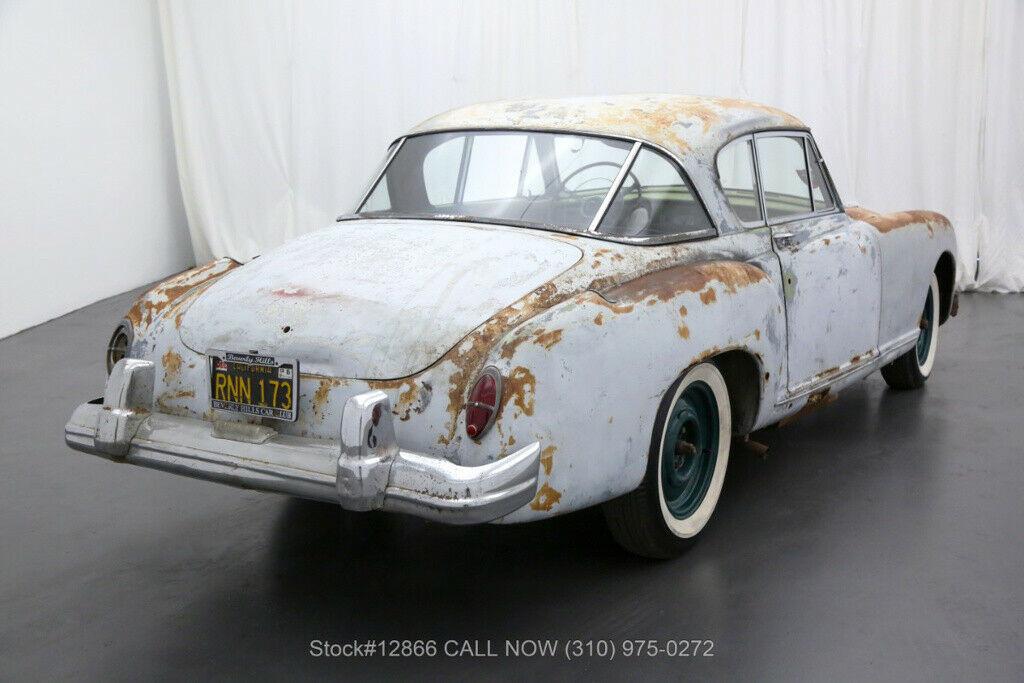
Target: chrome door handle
{"type": "Point", "coordinates": [783, 239]}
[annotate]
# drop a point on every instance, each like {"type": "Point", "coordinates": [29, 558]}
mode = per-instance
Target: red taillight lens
{"type": "Point", "coordinates": [483, 403]}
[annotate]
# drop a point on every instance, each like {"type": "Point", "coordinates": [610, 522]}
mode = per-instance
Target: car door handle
{"type": "Point", "coordinates": [783, 239]}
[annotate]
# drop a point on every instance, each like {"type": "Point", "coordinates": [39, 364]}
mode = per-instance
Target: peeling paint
{"type": "Point", "coordinates": [666, 284]}
{"type": "Point", "coordinates": [152, 304]}
{"type": "Point", "coordinates": [887, 222]}
{"type": "Point", "coordinates": [163, 401]}
{"type": "Point", "coordinates": [545, 499]}
{"type": "Point", "coordinates": [547, 459]}
{"type": "Point", "coordinates": [171, 362]}
{"type": "Point", "coordinates": [677, 122]}
{"type": "Point", "coordinates": [520, 386]}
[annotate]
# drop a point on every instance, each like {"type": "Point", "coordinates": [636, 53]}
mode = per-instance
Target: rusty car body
{"type": "Point", "coordinates": [730, 258]}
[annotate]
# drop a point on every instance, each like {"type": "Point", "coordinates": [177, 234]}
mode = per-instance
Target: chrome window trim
{"type": "Point", "coordinates": [395, 146]}
{"type": "Point", "coordinates": [757, 167]}
{"type": "Point", "coordinates": [655, 240]}
{"type": "Point", "coordinates": [829, 184]}
{"type": "Point", "coordinates": [684, 176]}
{"type": "Point", "coordinates": [749, 138]}
{"type": "Point", "coordinates": [805, 134]}
{"type": "Point", "coordinates": [627, 166]}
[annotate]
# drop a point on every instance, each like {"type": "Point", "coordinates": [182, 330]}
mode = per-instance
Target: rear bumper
{"type": "Point", "coordinates": [365, 470]}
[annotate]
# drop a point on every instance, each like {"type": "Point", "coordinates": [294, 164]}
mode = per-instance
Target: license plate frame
{"type": "Point", "coordinates": [255, 377]}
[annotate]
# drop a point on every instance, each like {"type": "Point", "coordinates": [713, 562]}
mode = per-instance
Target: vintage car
{"type": "Point", "coordinates": [537, 306]}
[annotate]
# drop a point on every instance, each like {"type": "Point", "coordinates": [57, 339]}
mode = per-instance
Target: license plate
{"type": "Point", "coordinates": [254, 384]}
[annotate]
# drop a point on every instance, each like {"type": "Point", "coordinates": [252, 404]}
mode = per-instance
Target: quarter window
{"type": "Point", "coordinates": [783, 176]}
{"type": "Point", "coordinates": [654, 199]}
{"type": "Point", "coordinates": [739, 181]}
{"type": "Point", "coordinates": [441, 171]}
{"type": "Point", "coordinates": [819, 190]}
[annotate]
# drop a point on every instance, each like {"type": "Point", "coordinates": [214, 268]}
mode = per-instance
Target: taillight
{"type": "Point", "coordinates": [482, 406]}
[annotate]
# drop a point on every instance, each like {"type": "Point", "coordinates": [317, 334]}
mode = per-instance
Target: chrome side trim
{"type": "Point", "coordinates": [870, 362]}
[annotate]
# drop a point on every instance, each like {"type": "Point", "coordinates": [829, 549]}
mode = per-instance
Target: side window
{"type": "Point", "coordinates": [441, 171]}
{"type": "Point", "coordinates": [588, 166]}
{"type": "Point", "coordinates": [655, 199]}
{"type": "Point", "coordinates": [819, 189]}
{"type": "Point", "coordinates": [783, 175]}
{"type": "Point", "coordinates": [495, 166]}
{"type": "Point", "coordinates": [739, 182]}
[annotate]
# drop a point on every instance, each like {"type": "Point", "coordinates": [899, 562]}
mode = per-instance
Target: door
{"type": "Point", "coordinates": [830, 267]}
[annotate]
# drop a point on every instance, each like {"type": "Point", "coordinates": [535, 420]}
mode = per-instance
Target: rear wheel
{"type": "Point", "coordinates": [912, 369]}
{"type": "Point", "coordinates": [685, 469]}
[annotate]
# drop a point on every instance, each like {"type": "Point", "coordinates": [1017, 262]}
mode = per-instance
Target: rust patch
{"type": "Point", "coordinates": [664, 119]}
{"type": "Point", "coordinates": [827, 241]}
{"type": "Point", "coordinates": [520, 386]}
{"type": "Point", "coordinates": [547, 459]}
{"type": "Point", "coordinates": [548, 339]}
{"type": "Point", "coordinates": [814, 401]}
{"type": "Point", "coordinates": [599, 319]}
{"type": "Point", "coordinates": [887, 222]}
{"type": "Point", "coordinates": [409, 400]}
{"type": "Point", "coordinates": [682, 311]}
{"type": "Point", "coordinates": [469, 355]}
{"type": "Point", "coordinates": [152, 304]}
{"type": "Point", "coordinates": [757, 334]}
{"type": "Point", "coordinates": [704, 355]}
{"type": "Point", "coordinates": [162, 401]}
{"type": "Point", "coordinates": [322, 396]}
{"type": "Point", "coordinates": [684, 331]}
{"type": "Point", "coordinates": [172, 365]}
{"type": "Point", "coordinates": [545, 499]}
{"type": "Point", "coordinates": [708, 296]}
{"type": "Point", "coordinates": [541, 337]}
{"type": "Point", "coordinates": [669, 282]}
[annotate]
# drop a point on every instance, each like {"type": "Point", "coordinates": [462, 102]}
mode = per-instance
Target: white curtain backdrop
{"type": "Point", "coordinates": [282, 109]}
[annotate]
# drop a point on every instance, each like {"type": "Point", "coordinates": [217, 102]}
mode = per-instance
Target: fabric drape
{"type": "Point", "coordinates": [283, 108]}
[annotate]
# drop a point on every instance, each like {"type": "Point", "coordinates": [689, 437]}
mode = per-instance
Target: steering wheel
{"type": "Point", "coordinates": [586, 207]}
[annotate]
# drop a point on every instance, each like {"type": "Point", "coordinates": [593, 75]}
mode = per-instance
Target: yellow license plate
{"type": "Point", "coordinates": [254, 384]}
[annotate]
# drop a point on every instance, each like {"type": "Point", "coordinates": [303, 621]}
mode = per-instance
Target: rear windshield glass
{"type": "Point", "coordinates": [535, 179]}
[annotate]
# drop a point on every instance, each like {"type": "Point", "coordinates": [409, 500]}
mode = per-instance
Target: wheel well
{"type": "Point", "coordinates": [945, 273]}
{"type": "Point", "coordinates": [743, 379]}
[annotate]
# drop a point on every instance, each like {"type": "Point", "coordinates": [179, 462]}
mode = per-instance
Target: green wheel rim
{"type": "Point", "coordinates": [924, 337]}
{"type": "Point", "coordinates": [690, 450]}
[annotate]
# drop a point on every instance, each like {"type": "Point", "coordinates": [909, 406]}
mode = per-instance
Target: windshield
{"type": "Point", "coordinates": [537, 179]}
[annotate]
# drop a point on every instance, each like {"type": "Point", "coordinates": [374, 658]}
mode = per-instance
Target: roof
{"type": "Point", "coordinates": [685, 125]}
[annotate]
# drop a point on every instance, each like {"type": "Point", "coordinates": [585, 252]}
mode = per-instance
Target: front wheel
{"type": "Point", "coordinates": [912, 369]}
{"type": "Point", "coordinates": [685, 469]}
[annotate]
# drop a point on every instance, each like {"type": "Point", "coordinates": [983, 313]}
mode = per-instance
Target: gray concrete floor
{"type": "Point", "coordinates": [881, 539]}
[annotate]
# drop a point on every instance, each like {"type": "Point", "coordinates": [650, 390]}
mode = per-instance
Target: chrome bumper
{"type": "Point", "coordinates": [366, 470]}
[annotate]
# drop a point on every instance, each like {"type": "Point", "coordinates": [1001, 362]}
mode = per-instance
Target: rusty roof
{"type": "Point", "coordinates": [683, 124]}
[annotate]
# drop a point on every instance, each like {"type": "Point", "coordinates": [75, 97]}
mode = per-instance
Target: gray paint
{"type": "Point", "coordinates": [879, 540]}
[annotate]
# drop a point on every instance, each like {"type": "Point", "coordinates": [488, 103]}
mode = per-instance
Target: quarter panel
{"type": "Point", "coordinates": [586, 378]}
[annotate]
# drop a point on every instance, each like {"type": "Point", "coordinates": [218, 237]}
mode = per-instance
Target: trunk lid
{"type": "Point", "coordinates": [373, 299]}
